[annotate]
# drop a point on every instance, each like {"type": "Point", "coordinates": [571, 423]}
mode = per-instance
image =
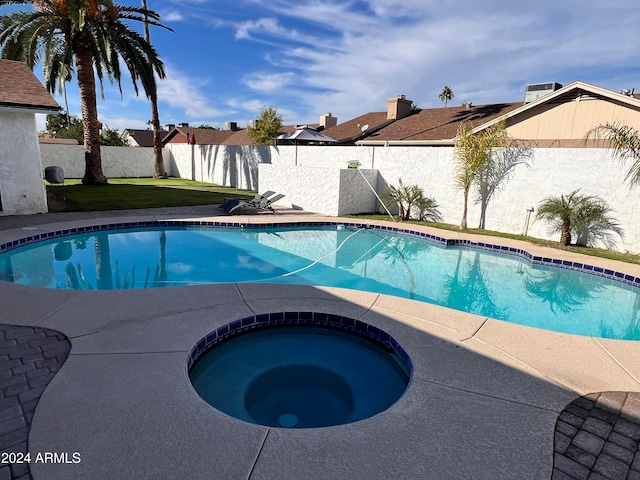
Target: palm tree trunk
{"type": "Point", "coordinates": [565, 236]}
{"type": "Point", "coordinates": [159, 171]}
{"type": "Point", "coordinates": [463, 224]}
{"type": "Point", "coordinates": [93, 174]}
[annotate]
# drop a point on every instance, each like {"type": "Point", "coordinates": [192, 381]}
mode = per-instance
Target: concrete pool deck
{"type": "Point", "coordinates": [483, 403]}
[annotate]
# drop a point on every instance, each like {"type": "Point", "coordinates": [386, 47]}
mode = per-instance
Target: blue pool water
{"type": "Point", "coordinates": [299, 377]}
{"type": "Point", "coordinates": [491, 284]}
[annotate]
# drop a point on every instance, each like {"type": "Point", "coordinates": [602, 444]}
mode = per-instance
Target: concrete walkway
{"type": "Point", "coordinates": [484, 402]}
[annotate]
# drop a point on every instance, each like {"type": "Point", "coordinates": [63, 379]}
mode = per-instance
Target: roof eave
{"type": "Point", "coordinates": [13, 107]}
{"type": "Point", "coordinates": [407, 143]}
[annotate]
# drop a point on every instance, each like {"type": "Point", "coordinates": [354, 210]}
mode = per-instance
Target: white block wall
{"type": "Point", "coordinates": [229, 165]}
{"type": "Point", "coordinates": [553, 172]}
{"type": "Point", "coordinates": [117, 162]}
{"type": "Point", "coordinates": [21, 187]}
{"type": "Point", "coordinates": [329, 191]}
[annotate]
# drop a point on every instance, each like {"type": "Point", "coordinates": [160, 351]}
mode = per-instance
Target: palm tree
{"type": "Point", "coordinates": [446, 95]}
{"type": "Point", "coordinates": [473, 151]}
{"type": "Point", "coordinates": [625, 143]}
{"type": "Point", "coordinates": [584, 216]}
{"type": "Point", "coordinates": [594, 224]}
{"type": "Point", "coordinates": [559, 211]}
{"type": "Point", "coordinates": [159, 170]}
{"type": "Point", "coordinates": [409, 196]}
{"type": "Point", "coordinates": [91, 34]}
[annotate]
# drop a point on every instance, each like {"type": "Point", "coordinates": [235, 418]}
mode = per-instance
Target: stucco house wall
{"type": "Point", "coordinates": [21, 187]}
{"type": "Point", "coordinates": [21, 97]}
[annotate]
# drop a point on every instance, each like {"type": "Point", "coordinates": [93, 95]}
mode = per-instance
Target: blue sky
{"type": "Point", "coordinates": [228, 58]}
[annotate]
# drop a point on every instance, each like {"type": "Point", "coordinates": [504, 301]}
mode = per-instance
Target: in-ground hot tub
{"type": "Point", "coordinates": [299, 370]}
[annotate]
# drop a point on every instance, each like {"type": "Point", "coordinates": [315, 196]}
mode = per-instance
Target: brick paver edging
{"type": "Point", "coordinates": [29, 359]}
{"type": "Point", "coordinates": [597, 438]}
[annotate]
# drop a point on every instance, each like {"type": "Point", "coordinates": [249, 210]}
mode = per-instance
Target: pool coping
{"type": "Point", "coordinates": [135, 333]}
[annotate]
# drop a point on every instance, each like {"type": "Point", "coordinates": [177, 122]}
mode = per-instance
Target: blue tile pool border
{"type": "Point", "coordinates": [443, 242]}
{"type": "Point", "coordinates": [299, 319]}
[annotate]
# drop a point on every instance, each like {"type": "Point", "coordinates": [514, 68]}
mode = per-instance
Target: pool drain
{"type": "Point", "coordinates": [288, 420]}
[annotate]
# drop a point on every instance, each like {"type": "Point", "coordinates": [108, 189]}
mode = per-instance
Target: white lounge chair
{"type": "Point", "coordinates": [260, 202]}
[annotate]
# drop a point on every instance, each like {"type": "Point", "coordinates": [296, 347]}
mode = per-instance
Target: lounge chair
{"type": "Point", "coordinates": [259, 202]}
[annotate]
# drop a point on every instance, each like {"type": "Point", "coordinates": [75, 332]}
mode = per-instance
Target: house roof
{"type": "Point", "coordinates": [571, 92]}
{"type": "Point", "coordinates": [351, 130]}
{"type": "Point", "coordinates": [144, 138]}
{"type": "Point", "coordinates": [21, 90]}
{"type": "Point", "coordinates": [438, 124]}
{"type": "Point", "coordinates": [203, 136]}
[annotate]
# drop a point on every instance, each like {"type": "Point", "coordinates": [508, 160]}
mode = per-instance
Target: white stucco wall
{"type": "Point", "coordinates": [317, 178]}
{"type": "Point", "coordinates": [21, 187]}
{"type": "Point", "coordinates": [117, 162]}
{"type": "Point", "coordinates": [329, 191]}
{"type": "Point", "coordinates": [230, 165]}
{"type": "Point", "coordinates": [553, 172]}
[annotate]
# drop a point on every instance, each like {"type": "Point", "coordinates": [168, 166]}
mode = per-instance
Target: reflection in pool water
{"type": "Point", "coordinates": [485, 283]}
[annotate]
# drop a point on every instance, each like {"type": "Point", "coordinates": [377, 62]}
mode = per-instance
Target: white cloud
{"type": "Point", "coordinates": [269, 25]}
{"type": "Point", "coordinates": [186, 94]}
{"type": "Point", "coordinates": [268, 82]}
{"type": "Point", "coordinates": [171, 16]}
{"type": "Point", "coordinates": [252, 106]}
{"type": "Point", "coordinates": [487, 52]}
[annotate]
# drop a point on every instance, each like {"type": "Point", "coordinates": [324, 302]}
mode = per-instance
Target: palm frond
{"type": "Point", "coordinates": [624, 141]}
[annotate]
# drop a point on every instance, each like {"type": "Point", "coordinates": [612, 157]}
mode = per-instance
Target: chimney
{"type": "Point", "coordinates": [252, 124]}
{"type": "Point", "coordinates": [230, 126]}
{"type": "Point", "coordinates": [171, 126]}
{"type": "Point", "coordinates": [398, 107]}
{"type": "Point", "coordinates": [184, 125]}
{"type": "Point", "coordinates": [327, 120]}
{"type": "Point", "coordinates": [467, 105]}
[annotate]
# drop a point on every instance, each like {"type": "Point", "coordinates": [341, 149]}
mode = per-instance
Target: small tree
{"type": "Point", "coordinates": [584, 217]}
{"type": "Point", "coordinates": [112, 137]}
{"type": "Point", "coordinates": [594, 224]}
{"type": "Point", "coordinates": [269, 126]}
{"type": "Point", "coordinates": [61, 125]}
{"type": "Point", "coordinates": [407, 197]}
{"type": "Point", "coordinates": [472, 153]}
{"type": "Point", "coordinates": [446, 95]}
{"type": "Point", "coordinates": [559, 212]}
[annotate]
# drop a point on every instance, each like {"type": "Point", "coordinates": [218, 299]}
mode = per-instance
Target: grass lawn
{"type": "Point", "coordinates": [126, 193]}
{"type": "Point", "coordinates": [596, 252]}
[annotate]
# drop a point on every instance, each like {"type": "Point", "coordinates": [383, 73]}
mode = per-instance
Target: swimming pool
{"type": "Point", "coordinates": [506, 284]}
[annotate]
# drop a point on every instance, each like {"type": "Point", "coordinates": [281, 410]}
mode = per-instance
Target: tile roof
{"type": "Point", "coordinates": [203, 136]}
{"type": "Point", "coordinates": [351, 130]}
{"type": "Point", "coordinates": [440, 123]}
{"type": "Point", "coordinates": [19, 88]}
{"type": "Point", "coordinates": [144, 138]}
